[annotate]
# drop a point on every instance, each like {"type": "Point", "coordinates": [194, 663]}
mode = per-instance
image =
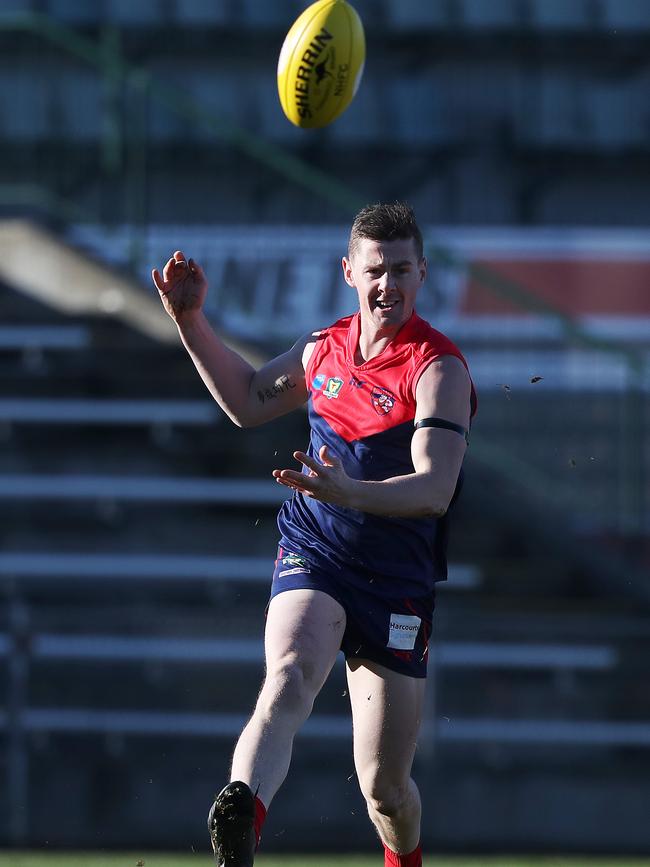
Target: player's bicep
{"type": "Point", "coordinates": [279, 386]}
{"type": "Point", "coordinates": [442, 396]}
{"type": "Point", "coordinates": [444, 391]}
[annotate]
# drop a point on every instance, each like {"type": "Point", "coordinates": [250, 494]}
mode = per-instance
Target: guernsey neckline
{"type": "Point", "coordinates": [390, 350]}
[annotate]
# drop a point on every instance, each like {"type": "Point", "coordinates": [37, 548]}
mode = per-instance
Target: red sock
{"type": "Point", "coordinates": [260, 816]}
{"type": "Point", "coordinates": [392, 859]}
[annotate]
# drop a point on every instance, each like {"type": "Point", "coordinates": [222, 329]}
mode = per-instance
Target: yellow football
{"type": "Point", "coordinates": [321, 63]}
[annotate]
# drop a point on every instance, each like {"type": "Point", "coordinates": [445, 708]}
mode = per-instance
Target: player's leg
{"type": "Point", "coordinates": [302, 638]}
{"type": "Point", "coordinates": [387, 710]}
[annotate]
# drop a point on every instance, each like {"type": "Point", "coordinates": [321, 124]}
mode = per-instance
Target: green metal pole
{"type": "Point", "coordinates": [138, 87]}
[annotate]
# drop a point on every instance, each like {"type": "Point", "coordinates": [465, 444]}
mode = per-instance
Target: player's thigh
{"type": "Point", "coordinates": [387, 712]}
{"type": "Point", "coordinates": [304, 627]}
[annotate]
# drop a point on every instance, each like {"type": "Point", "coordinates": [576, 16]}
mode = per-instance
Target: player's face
{"type": "Point", "coordinates": [387, 276]}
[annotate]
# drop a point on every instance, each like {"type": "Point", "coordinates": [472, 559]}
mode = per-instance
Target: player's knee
{"type": "Point", "coordinates": [385, 796]}
{"type": "Point", "coordinates": [289, 685]}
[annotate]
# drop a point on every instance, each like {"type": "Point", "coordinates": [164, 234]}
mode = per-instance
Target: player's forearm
{"type": "Point", "coordinates": [226, 374]}
{"type": "Point", "coordinates": [418, 495]}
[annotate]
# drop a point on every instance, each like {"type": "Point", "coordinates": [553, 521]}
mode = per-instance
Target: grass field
{"type": "Point", "coordinates": [128, 859]}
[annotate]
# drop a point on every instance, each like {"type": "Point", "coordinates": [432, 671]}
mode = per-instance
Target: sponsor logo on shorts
{"type": "Point", "coordinates": [403, 631]}
{"type": "Point", "coordinates": [333, 387]}
{"type": "Point", "coordinates": [298, 570]}
{"type": "Point", "coordinates": [382, 400]}
{"type": "Point", "coordinates": [318, 381]}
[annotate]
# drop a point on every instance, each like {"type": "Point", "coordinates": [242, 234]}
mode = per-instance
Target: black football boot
{"type": "Point", "coordinates": [231, 823]}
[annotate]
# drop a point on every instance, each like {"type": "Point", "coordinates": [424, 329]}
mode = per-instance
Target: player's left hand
{"type": "Point", "coordinates": [326, 481]}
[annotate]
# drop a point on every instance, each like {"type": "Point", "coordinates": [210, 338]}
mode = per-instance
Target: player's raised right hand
{"type": "Point", "coordinates": [182, 286]}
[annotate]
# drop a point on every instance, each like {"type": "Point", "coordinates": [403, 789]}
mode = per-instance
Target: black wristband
{"type": "Point", "coordinates": [446, 425]}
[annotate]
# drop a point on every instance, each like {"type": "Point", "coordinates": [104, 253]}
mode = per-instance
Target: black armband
{"type": "Point", "coordinates": [446, 425]}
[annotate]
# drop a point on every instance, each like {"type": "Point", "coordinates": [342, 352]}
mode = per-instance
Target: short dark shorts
{"type": "Point", "coordinates": [384, 627]}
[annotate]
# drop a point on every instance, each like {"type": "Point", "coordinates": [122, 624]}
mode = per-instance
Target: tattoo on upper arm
{"type": "Point", "coordinates": [281, 385]}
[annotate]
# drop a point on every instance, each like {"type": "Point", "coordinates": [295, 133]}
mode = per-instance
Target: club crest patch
{"type": "Point", "coordinates": [333, 387]}
{"type": "Point", "coordinates": [294, 560]}
{"type": "Point", "coordinates": [382, 400]}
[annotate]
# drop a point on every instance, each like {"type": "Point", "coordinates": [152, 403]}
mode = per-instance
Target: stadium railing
{"type": "Point", "coordinates": [107, 411]}
{"type": "Point", "coordinates": [108, 648]}
{"type": "Point", "coordinates": [113, 649]}
{"type": "Point", "coordinates": [38, 337]}
{"type": "Point", "coordinates": [49, 565]}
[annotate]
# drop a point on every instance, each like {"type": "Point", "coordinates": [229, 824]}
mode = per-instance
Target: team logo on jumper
{"type": "Point", "coordinates": [382, 400]}
{"type": "Point", "coordinates": [293, 565]}
{"type": "Point", "coordinates": [403, 631]}
{"type": "Point", "coordinates": [318, 381]}
{"type": "Point", "coordinates": [334, 385]}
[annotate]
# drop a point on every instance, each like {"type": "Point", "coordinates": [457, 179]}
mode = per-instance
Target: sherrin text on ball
{"type": "Point", "coordinates": [321, 63]}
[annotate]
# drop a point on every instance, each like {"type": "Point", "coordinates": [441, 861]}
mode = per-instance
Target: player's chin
{"type": "Point", "coordinates": [395, 315]}
{"type": "Point", "coordinates": [384, 312]}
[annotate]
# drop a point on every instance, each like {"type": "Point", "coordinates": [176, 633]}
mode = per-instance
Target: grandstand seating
{"type": "Point", "coordinates": [558, 15]}
{"type": "Point", "coordinates": [35, 338]}
{"type": "Point", "coordinates": [498, 14]}
{"type": "Point", "coordinates": [405, 15]}
{"type": "Point", "coordinates": [486, 118]}
{"type": "Point", "coordinates": [492, 116]}
{"type": "Point", "coordinates": [19, 88]}
{"type": "Point", "coordinates": [605, 117]}
{"type": "Point", "coordinates": [258, 14]}
{"type": "Point", "coordinates": [616, 119]}
{"type": "Point", "coordinates": [627, 16]}
{"type": "Point", "coordinates": [73, 11]}
{"type": "Point", "coordinates": [414, 15]}
{"type": "Point", "coordinates": [204, 12]}
{"type": "Point", "coordinates": [419, 113]}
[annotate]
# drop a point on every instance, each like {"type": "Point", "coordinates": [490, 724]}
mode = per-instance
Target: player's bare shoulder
{"type": "Point", "coordinates": [448, 368]}
{"type": "Point", "coordinates": [444, 387]}
{"type": "Point", "coordinates": [309, 342]}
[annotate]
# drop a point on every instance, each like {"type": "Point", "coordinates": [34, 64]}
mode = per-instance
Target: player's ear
{"type": "Point", "coordinates": [346, 264]}
{"type": "Point", "coordinates": [423, 268]}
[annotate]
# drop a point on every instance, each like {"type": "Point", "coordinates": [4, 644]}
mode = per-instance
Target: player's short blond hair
{"type": "Point", "coordinates": [386, 222]}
